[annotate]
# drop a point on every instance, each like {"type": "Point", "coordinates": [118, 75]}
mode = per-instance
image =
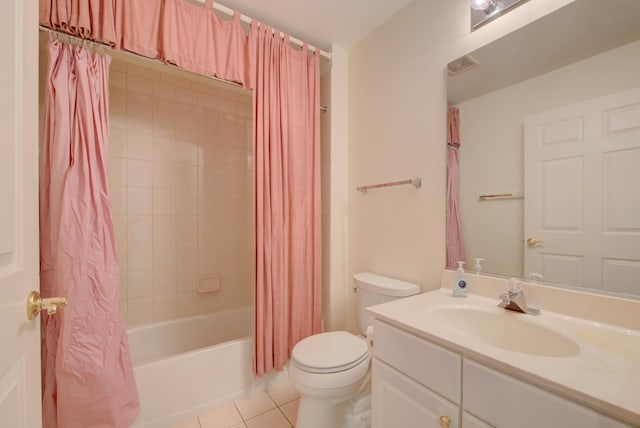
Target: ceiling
{"type": "Point", "coordinates": [321, 23]}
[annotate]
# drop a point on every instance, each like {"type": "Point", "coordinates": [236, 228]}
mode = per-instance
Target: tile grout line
{"type": "Point", "coordinates": [285, 416]}
{"type": "Point", "coordinates": [257, 414]}
{"type": "Point", "coordinates": [277, 406]}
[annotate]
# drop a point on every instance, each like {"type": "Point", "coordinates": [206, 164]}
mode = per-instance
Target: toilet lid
{"type": "Point", "coordinates": [329, 352]}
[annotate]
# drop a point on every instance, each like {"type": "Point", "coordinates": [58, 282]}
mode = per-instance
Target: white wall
{"type": "Point", "coordinates": [397, 119]}
{"type": "Point", "coordinates": [491, 156]}
{"type": "Point", "coordinates": [334, 191]}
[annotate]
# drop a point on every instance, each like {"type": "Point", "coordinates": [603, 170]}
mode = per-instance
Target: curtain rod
{"type": "Point", "coordinates": [221, 8]}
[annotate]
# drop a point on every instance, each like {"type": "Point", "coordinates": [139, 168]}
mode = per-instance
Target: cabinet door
{"type": "Point", "coordinates": [470, 421]}
{"type": "Point", "coordinates": [399, 401]}
{"type": "Point", "coordinates": [431, 365]}
{"type": "Point", "coordinates": [507, 402]}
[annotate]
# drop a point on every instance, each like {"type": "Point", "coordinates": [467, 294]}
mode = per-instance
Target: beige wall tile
{"type": "Point", "coordinates": [139, 255]}
{"type": "Point", "coordinates": [117, 171]}
{"type": "Point", "coordinates": [186, 303]}
{"type": "Point", "coordinates": [186, 177]}
{"type": "Point", "coordinates": [139, 201]}
{"type": "Point", "coordinates": [139, 173]}
{"type": "Point", "coordinates": [186, 279]}
{"type": "Point", "coordinates": [164, 228]}
{"type": "Point", "coordinates": [118, 197]}
{"type": "Point", "coordinates": [139, 228]}
{"type": "Point", "coordinates": [186, 228]}
{"type": "Point", "coordinates": [139, 311]}
{"type": "Point", "coordinates": [118, 79]}
{"type": "Point", "coordinates": [117, 65]}
{"type": "Point", "coordinates": [164, 281]}
{"type": "Point", "coordinates": [139, 283]}
{"type": "Point", "coordinates": [187, 152]}
{"type": "Point", "coordinates": [138, 82]}
{"type": "Point", "coordinates": [164, 307]}
{"type": "Point", "coordinates": [164, 201]}
{"type": "Point", "coordinates": [164, 175]}
{"type": "Point", "coordinates": [117, 141]}
{"type": "Point", "coordinates": [175, 219]}
{"type": "Point", "coordinates": [139, 143]}
{"type": "Point", "coordinates": [163, 90]}
{"type": "Point", "coordinates": [163, 148]}
{"type": "Point", "coordinates": [186, 202]}
{"type": "Point", "coordinates": [164, 255]}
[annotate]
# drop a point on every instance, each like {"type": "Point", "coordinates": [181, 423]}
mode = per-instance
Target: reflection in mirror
{"type": "Point", "coordinates": [484, 11]}
{"type": "Point", "coordinates": [551, 115]}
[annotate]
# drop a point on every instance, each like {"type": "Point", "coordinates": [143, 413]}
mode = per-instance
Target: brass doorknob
{"type": "Point", "coordinates": [533, 242]}
{"type": "Point", "coordinates": [35, 304]}
{"type": "Point", "coordinates": [445, 421]}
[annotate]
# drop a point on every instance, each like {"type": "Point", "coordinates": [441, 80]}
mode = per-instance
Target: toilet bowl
{"type": "Point", "coordinates": [329, 369]}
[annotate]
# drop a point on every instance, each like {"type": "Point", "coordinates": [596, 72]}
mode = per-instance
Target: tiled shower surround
{"type": "Point", "coordinates": [180, 168]}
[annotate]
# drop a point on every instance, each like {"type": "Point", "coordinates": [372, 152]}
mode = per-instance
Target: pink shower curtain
{"type": "Point", "coordinates": [455, 244]}
{"type": "Point", "coordinates": [287, 196]}
{"type": "Point", "coordinates": [87, 372]}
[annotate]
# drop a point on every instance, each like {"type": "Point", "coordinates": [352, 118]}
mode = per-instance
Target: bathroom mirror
{"type": "Point", "coordinates": [582, 53]}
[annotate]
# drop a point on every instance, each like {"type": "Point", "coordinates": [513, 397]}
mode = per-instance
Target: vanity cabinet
{"type": "Point", "coordinates": [415, 383]}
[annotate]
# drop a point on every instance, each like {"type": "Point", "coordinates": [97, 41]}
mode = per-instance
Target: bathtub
{"type": "Point", "coordinates": [185, 366]}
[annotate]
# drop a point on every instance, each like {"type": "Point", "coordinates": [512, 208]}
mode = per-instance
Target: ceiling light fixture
{"type": "Point", "coordinates": [486, 6]}
{"type": "Point", "coordinates": [483, 11]}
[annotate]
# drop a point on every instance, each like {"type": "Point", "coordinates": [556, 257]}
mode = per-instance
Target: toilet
{"type": "Point", "coordinates": [329, 369]}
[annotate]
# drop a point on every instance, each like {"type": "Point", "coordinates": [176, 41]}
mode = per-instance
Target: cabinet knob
{"type": "Point", "coordinates": [445, 421]}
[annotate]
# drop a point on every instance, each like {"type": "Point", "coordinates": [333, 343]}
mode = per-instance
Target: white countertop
{"type": "Point", "coordinates": [604, 374]}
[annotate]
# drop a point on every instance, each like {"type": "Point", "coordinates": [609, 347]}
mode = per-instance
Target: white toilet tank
{"type": "Point", "coordinates": [373, 289]}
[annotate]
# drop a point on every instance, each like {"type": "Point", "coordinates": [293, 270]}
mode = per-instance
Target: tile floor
{"type": "Point", "coordinates": [275, 408]}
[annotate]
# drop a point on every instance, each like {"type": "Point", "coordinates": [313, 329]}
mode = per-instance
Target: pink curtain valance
{"type": "Point", "coordinates": [195, 39]}
{"type": "Point", "coordinates": [89, 19]}
{"type": "Point", "coordinates": [176, 32]}
{"type": "Point", "coordinates": [137, 25]}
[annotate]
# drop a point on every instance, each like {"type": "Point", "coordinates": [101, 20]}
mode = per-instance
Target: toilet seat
{"type": "Point", "coordinates": [330, 352]}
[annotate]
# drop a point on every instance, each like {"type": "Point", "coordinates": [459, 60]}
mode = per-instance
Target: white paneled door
{"type": "Point", "coordinates": [19, 338]}
{"type": "Point", "coordinates": [582, 193]}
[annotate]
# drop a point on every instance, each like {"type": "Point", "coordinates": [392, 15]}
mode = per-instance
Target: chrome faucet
{"type": "Point", "coordinates": [514, 299]}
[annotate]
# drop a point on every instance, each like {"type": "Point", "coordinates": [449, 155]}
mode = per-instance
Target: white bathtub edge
{"type": "Point", "coordinates": [193, 381]}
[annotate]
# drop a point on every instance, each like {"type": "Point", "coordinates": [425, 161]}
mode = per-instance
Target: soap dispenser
{"type": "Point", "coordinates": [460, 284]}
{"type": "Point", "coordinates": [478, 266]}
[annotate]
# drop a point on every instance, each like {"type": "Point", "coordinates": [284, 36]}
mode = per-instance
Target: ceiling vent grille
{"type": "Point", "coordinates": [461, 65]}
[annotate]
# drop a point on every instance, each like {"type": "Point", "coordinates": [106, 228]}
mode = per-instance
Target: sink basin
{"type": "Point", "coordinates": [506, 331]}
